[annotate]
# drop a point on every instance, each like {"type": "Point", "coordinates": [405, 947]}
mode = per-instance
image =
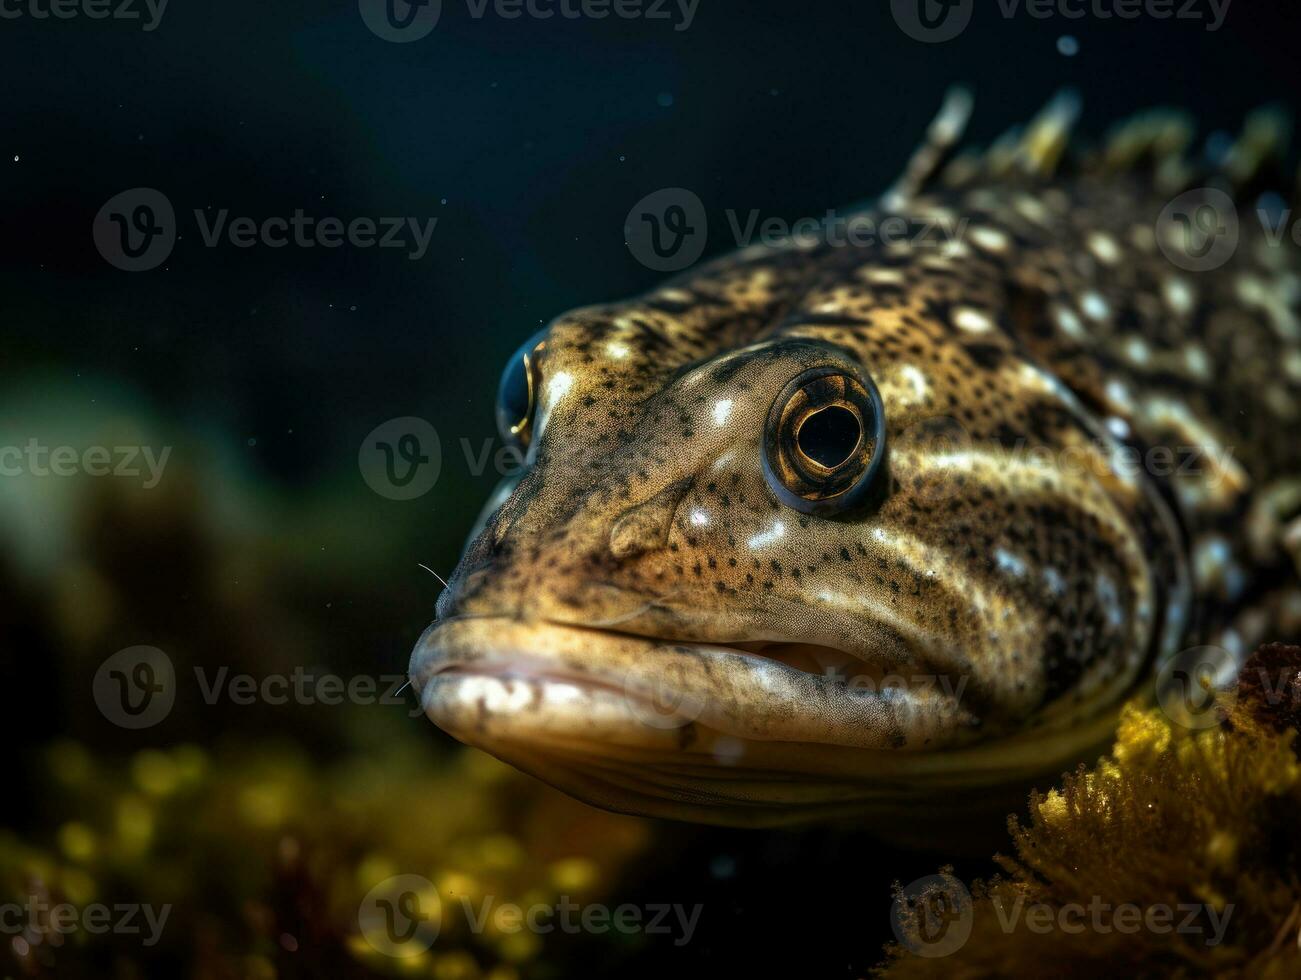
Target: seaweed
{"type": "Point", "coordinates": [1191, 832]}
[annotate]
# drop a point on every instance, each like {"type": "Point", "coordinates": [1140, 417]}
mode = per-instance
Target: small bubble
{"type": "Point", "coordinates": [1068, 45]}
{"type": "Point", "coordinates": [622, 158]}
{"type": "Point", "coordinates": [15, 158]}
{"type": "Point", "coordinates": [665, 99]}
{"type": "Point", "coordinates": [252, 441]}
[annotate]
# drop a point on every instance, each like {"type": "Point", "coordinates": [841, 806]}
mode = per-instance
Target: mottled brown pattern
{"type": "Point", "coordinates": [1012, 572]}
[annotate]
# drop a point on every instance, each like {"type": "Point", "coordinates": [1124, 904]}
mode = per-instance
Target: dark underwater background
{"type": "Point", "coordinates": [263, 549]}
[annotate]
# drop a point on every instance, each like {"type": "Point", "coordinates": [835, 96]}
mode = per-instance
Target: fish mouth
{"type": "Point", "coordinates": [548, 678]}
{"type": "Point", "coordinates": [694, 730]}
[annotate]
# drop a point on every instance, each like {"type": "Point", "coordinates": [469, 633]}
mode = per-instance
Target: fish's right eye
{"type": "Point", "coordinates": [517, 392]}
{"type": "Point", "coordinates": [824, 441]}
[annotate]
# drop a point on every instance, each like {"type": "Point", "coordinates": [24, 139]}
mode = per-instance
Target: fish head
{"type": "Point", "coordinates": [806, 572]}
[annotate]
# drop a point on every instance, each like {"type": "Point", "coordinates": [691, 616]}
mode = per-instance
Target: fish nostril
{"type": "Point", "coordinates": [646, 527]}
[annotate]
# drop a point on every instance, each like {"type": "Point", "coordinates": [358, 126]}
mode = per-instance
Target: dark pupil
{"type": "Point", "coordinates": [829, 436]}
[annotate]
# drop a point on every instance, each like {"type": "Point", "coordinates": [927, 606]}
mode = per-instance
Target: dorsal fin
{"type": "Point", "coordinates": [1049, 134]}
{"type": "Point", "coordinates": [1152, 144]}
{"type": "Point", "coordinates": [1255, 160]}
{"type": "Point", "coordinates": [1000, 158]}
{"type": "Point", "coordinates": [928, 159]}
{"type": "Point", "coordinates": [1145, 139]}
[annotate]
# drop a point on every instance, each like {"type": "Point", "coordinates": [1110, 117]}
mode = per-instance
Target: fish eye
{"type": "Point", "coordinates": [517, 392]}
{"type": "Point", "coordinates": [824, 441]}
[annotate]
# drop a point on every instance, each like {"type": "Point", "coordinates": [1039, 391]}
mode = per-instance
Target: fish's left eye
{"type": "Point", "coordinates": [824, 441]}
{"type": "Point", "coordinates": [517, 392]}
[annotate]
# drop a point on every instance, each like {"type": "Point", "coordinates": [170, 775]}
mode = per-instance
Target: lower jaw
{"type": "Point", "coordinates": [485, 678]}
{"type": "Point", "coordinates": [703, 733]}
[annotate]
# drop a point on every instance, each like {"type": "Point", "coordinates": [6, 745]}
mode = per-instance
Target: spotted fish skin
{"type": "Point", "coordinates": [1090, 463]}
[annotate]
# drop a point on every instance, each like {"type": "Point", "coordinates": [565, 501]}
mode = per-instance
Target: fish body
{"type": "Point", "coordinates": [882, 527]}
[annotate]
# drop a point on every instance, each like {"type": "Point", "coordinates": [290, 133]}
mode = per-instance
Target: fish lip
{"type": "Point", "coordinates": [487, 677]}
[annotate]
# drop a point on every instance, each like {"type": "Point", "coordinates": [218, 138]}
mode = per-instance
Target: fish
{"type": "Point", "coordinates": [883, 529]}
